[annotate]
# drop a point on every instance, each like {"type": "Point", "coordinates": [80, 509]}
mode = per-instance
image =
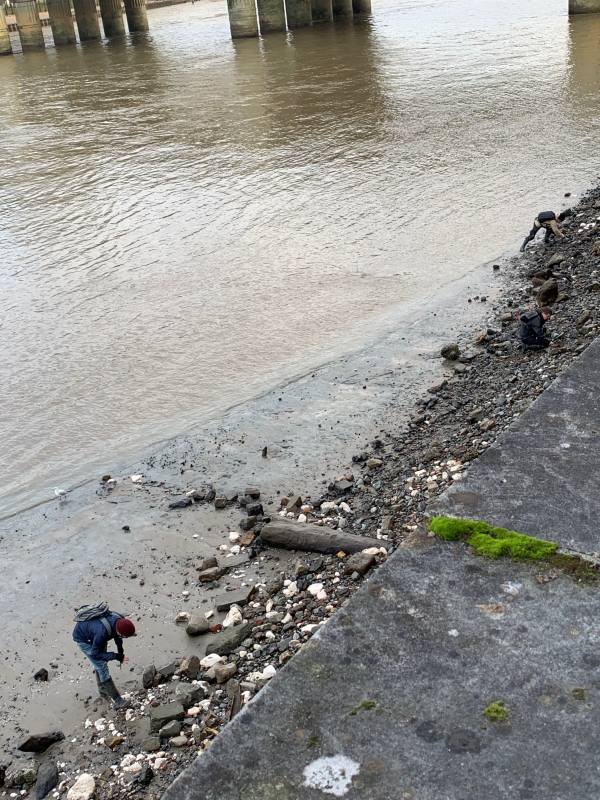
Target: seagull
{"type": "Point", "coordinates": [61, 494]}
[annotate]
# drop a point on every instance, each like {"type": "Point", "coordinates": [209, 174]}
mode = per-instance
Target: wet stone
{"type": "Point", "coordinates": [220, 502]}
{"type": "Point", "coordinates": [359, 562]}
{"type": "Point", "coordinates": [151, 744]}
{"type": "Point", "coordinates": [148, 677]}
{"type": "Point", "coordinates": [226, 642]}
{"type": "Point", "coordinates": [197, 625]}
{"type": "Point", "coordinates": [169, 730]}
{"type": "Point", "coordinates": [161, 715]}
{"type": "Point", "coordinates": [41, 675]}
{"type": "Point", "coordinates": [47, 779]}
{"type": "Point", "coordinates": [183, 502]}
{"type": "Point", "coordinates": [239, 597]}
{"type": "Point", "coordinates": [39, 742]}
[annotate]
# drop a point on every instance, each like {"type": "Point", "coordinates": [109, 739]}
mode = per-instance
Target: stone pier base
{"type": "Point", "coordinates": [271, 15]}
{"type": "Point", "coordinates": [111, 12]}
{"type": "Point", "coordinates": [29, 25]}
{"type": "Point", "coordinates": [361, 8]}
{"type": "Point", "coordinates": [61, 20]}
{"type": "Point", "coordinates": [88, 23]}
{"type": "Point", "coordinates": [5, 45]}
{"type": "Point", "coordinates": [299, 13]}
{"type": "Point", "coordinates": [242, 18]}
{"type": "Point", "coordinates": [137, 16]}
{"type": "Point", "coordinates": [342, 9]}
{"type": "Point", "coordinates": [322, 10]}
{"type": "Point", "coordinates": [584, 6]}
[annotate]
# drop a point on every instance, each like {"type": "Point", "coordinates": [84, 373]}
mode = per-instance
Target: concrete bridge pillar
{"type": "Point", "coordinates": [5, 45]}
{"type": "Point", "coordinates": [342, 9]}
{"type": "Point", "coordinates": [322, 10]}
{"type": "Point", "coordinates": [61, 20]}
{"type": "Point", "coordinates": [584, 6]}
{"type": "Point", "coordinates": [299, 13]}
{"type": "Point", "coordinates": [242, 18]}
{"type": "Point", "coordinates": [86, 15]}
{"type": "Point", "coordinates": [29, 25]}
{"type": "Point", "coordinates": [111, 12]}
{"type": "Point", "coordinates": [137, 17]}
{"type": "Point", "coordinates": [271, 15]}
{"type": "Point", "coordinates": [361, 8]}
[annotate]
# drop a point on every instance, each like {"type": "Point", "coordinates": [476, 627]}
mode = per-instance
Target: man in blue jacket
{"type": "Point", "coordinates": [96, 626]}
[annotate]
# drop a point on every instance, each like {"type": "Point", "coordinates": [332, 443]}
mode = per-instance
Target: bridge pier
{"type": "Point", "coordinates": [137, 16]}
{"type": "Point", "coordinates": [5, 45]}
{"type": "Point", "coordinates": [271, 15]}
{"type": "Point", "coordinates": [29, 25]}
{"type": "Point", "coordinates": [86, 15]}
{"type": "Point", "coordinates": [242, 18]}
{"type": "Point", "coordinates": [342, 9]}
{"type": "Point", "coordinates": [322, 10]}
{"type": "Point", "coordinates": [61, 21]}
{"type": "Point", "coordinates": [361, 8]}
{"type": "Point", "coordinates": [111, 12]}
{"type": "Point", "coordinates": [584, 6]}
{"type": "Point", "coordinates": [299, 13]}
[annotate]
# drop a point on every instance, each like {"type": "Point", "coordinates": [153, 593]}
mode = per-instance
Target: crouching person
{"type": "Point", "coordinates": [95, 627]}
{"type": "Point", "coordinates": [533, 332]}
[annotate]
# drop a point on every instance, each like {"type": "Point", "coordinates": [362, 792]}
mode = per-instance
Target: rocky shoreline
{"type": "Point", "coordinates": [251, 632]}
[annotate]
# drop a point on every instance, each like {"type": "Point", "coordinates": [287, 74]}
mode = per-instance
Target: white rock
{"type": "Point", "coordinates": [291, 589]}
{"type": "Point", "coordinates": [286, 619]}
{"type": "Point", "coordinates": [127, 760]}
{"type": "Point", "coordinates": [269, 605]}
{"type": "Point", "coordinates": [269, 635]}
{"type": "Point", "coordinates": [193, 712]}
{"type": "Point", "coordinates": [302, 517]}
{"type": "Point", "coordinates": [136, 478]}
{"type": "Point", "coordinates": [133, 769]}
{"type": "Point", "coordinates": [224, 547]}
{"type": "Point", "coordinates": [234, 537]}
{"type": "Point", "coordinates": [371, 551]}
{"type": "Point", "coordinates": [210, 660]}
{"type": "Point", "coordinates": [322, 595]}
{"type": "Point", "coordinates": [246, 696]}
{"type": "Point", "coordinates": [329, 505]}
{"type": "Point", "coordinates": [453, 633]}
{"type": "Point", "coordinates": [158, 763]}
{"type": "Point", "coordinates": [309, 628]}
{"type": "Point", "coordinates": [83, 788]}
{"type": "Point", "coordinates": [234, 616]}
{"type": "Point", "coordinates": [235, 549]}
{"type": "Point", "coordinates": [268, 672]}
{"type": "Point", "coordinates": [346, 508]}
{"type": "Point", "coordinates": [283, 513]}
{"type": "Point", "coordinates": [315, 588]}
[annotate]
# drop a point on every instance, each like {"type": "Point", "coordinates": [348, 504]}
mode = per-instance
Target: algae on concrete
{"type": "Point", "coordinates": [491, 541]}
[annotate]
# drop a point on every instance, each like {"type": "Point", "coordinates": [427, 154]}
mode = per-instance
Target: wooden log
{"type": "Point", "coordinates": [317, 539]}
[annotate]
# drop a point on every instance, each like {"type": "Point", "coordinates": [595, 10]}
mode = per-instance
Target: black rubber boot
{"type": "Point", "coordinates": [112, 693]}
{"type": "Point", "coordinates": [101, 688]}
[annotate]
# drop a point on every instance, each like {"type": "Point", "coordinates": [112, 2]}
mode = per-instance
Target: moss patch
{"type": "Point", "coordinates": [365, 705]}
{"type": "Point", "coordinates": [497, 711]}
{"type": "Point", "coordinates": [314, 741]}
{"type": "Point", "coordinates": [490, 541]}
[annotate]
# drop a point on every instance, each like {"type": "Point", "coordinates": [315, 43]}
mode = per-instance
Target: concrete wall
{"type": "Point", "coordinates": [584, 6]}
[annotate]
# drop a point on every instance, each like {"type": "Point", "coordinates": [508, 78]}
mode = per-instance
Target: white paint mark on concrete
{"type": "Point", "coordinates": [331, 775]}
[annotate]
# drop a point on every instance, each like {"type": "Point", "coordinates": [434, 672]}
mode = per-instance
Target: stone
{"type": "Point", "coordinates": [228, 640]}
{"type": "Point", "coordinates": [232, 562]}
{"type": "Point", "coordinates": [112, 742]}
{"type": "Point", "coordinates": [166, 672]}
{"type": "Point", "coordinates": [208, 563]}
{"type": "Point", "coordinates": [21, 773]}
{"type": "Point", "coordinates": [151, 744]}
{"type": "Point", "coordinates": [148, 676]}
{"type": "Point", "coordinates": [252, 492]}
{"type": "Point", "coordinates": [223, 672]}
{"type": "Point", "coordinates": [198, 625]}
{"type": "Point", "coordinates": [38, 742]}
{"type": "Point", "coordinates": [145, 776]}
{"type": "Point", "coordinates": [41, 675]}
{"type": "Point", "coordinates": [306, 536]}
{"type": "Point", "coordinates": [556, 259]}
{"type": "Point", "coordinates": [179, 741]}
{"type": "Point", "coordinates": [190, 667]}
{"type": "Point", "coordinates": [359, 562]}
{"type": "Point", "coordinates": [374, 463]}
{"type": "Point", "coordinates": [239, 598]}
{"type": "Point", "coordinates": [246, 539]}
{"type": "Point", "coordinates": [450, 352]}
{"type": "Point", "coordinates": [160, 715]}
{"type": "Point", "coordinates": [254, 509]}
{"type": "Point", "coordinates": [210, 575]}
{"type": "Point", "coordinates": [220, 502]}
{"type": "Point", "coordinates": [247, 523]}
{"type": "Point", "coordinates": [210, 494]}
{"type": "Point", "coordinates": [294, 502]}
{"type": "Point", "coordinates": [343, 485]}
{"type": "Point", "coordinates": [183, 502]}
{"type": "Point", "coordinates": [83, 788]}
{"type": "Point", "coordinates": [548, 292]}
{"type": "Point", "coordinates": [47, 779]}
{"type": "Point", "coordinates": [586, 316]}
{"type": "Point", "coordinates": [169, 730]}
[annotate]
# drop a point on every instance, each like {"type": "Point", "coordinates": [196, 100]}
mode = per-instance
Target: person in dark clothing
{"type": "Point", "coordinates": [533, 333]}
{"type": "Point", "coordinates": [549, 222]}
{"type": "Point", "coordinates": [92, 637]}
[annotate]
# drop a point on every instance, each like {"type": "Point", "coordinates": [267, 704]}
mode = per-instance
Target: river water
{"type": "Point", "coordinates": [187, 220]}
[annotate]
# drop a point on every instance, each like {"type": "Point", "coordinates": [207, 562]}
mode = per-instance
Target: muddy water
{"type": "Point", "coordinates": [187, 221]}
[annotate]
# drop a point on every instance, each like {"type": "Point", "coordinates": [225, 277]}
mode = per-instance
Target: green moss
{"type": "Point", "coordinates": [497, 711]}
{"type": "Point", "coordinates": [314, 741]}
{"type": "Point", "coordinates": [490, 541]}
{"type": "Point", "coordinates": [365, 705]}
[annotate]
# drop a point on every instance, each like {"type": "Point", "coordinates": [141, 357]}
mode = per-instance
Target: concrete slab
{"type": "Point", "coordinates": [542, 476]}
{"type": "Point", "coordinates": [393, 690]}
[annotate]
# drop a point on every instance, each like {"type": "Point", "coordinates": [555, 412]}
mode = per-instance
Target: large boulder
{"type": "Point", "coordinates": [47, 779]}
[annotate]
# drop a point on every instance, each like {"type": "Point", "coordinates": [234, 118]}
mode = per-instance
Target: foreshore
{"type": "Point", "coordinates": [404, 455]}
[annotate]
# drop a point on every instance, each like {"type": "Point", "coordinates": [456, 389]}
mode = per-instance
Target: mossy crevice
{"type": "Point", "coordinates": [364, 705]}
{"type": "Point", "coordinates": [497, 711]}
{"type": "Point", "coordinates": [494, 542]}
{"type": "Point", "coordinates": [491, 541]}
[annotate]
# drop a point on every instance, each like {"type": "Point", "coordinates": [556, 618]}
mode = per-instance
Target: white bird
{"type": "Point", "coordinates": [61, 494]}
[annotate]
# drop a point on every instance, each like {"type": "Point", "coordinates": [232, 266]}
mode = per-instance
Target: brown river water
{"type": "Point", "coordinates": [188, 221]}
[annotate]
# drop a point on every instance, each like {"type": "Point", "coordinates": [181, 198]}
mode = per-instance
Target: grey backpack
{"type": "Point", "coordinates": [99, 611]}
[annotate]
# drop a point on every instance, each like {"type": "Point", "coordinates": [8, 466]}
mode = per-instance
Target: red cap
{"type": "Point", "coordinates": [125, 628]}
